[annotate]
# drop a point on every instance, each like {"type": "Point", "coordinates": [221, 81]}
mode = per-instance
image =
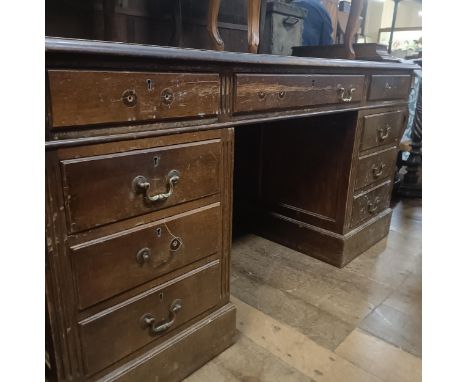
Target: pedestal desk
{"type": "Point", "coordinates": [139, 189]}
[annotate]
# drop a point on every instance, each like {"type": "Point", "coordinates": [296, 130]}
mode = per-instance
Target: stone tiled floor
{"type": "Point", "coordinates": [300, 319]}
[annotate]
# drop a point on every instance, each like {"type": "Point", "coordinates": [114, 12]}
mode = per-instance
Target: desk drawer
{"type": "Point", "coordinates": [389, 87]}
{"type": "Point", "coordinates": [107, 188]}
{"type": "Point", "coordinates": [118, 331]}
{"type": "Point", "coordinates": [92, 97]}
{"type": "Point", "coordinates": [372, 168]}
{"type": "Point", "coordinates": [113, 264]}
{"type": "Point", "coordinates": [381, 129]}
{"type": "Point", "coordinates": [369, 204]}
{"type": "Point", "coordinates": [268, 92]}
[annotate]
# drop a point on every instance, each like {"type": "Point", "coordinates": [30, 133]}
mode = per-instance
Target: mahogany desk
{"type": "Point", "coordinates": [139, 189]}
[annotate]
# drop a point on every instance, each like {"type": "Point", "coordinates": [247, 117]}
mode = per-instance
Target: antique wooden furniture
{"type": "Point", "coordinates": [139, 179]}
{"type": "Point", "coordinates": [253, 24]}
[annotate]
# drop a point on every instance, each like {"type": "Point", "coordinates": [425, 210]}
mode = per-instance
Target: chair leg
{"type": "Point", "coordinates": [253, 26]}
{"type": "Point", "coordinates": [352, 27]}
{"type": "Point", "coordinates": [212, 25]}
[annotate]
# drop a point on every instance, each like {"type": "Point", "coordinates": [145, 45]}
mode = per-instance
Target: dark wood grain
{"type": "Point", "coordinates": [307, 182]}
{"type": "Point", "coordinates": [305, 167]}
{"type": "Point", "coordinates": [141, 52]}
{"type": "Point", "coordinates": [381, 129]}
{"type": "Point", "coordinates": [370, 203]}
{"type": "Point", "coordinates": [276, 92]}
{"type": "Point", "coordinates": [116, 332]}
{"type": "Point", "coordinates": [184, 353]}
{"type": "Point", "coordinates": [330, 247]}
{"type": "Point", "coordinates": [389, 87]}
{"type": "Point", "coordinates": [100, 189]}
{"type": "Point", "coordinates": [110, 265]}
{"type": "Point", "coordinates": [373, 168]}
{"type": "Point", "coordinates": [91, 97]}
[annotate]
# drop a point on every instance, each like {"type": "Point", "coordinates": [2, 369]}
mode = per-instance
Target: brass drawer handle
{"type": "Point", "coordinates": [346, 96]}
{"type": "Point", "coordinates": [388, 86]}
{"type": "Point", "coordinates": [383, 132]}
{"type": "Point", "coordinates": [261, 95]}
{"type": "Point", "coordinates": [129, 98]}
{"type": "Point", "coordinates": [281, 94]}
{"type": "Point", "coordinates": [167, 96]}
{"type": "Point", "coordinates": [377, 170]}
{"type": "Point", "coordinates": [372, 207]}
{"type": "Point", "coordinates": [143, 256]}
{"type": "Point", "coordinates": [141, 184]}
{"type": "Point", "coordinates": [148, 320]}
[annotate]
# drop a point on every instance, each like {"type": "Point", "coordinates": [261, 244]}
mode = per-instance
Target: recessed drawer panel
{"type": "Point", "coordinates": [107, 188]}
{"type": "Point", "coordinates": [111, 265]}
{"type": "Point", "coordinates": [118, 331]}
{"type": "Point", "coordinates": [92, 97]}
{"type": "Point", "coordinates": [372, 168]}
{"type": "Point", "coordinates": [369, 204]}
{"type": "Point", "coordinates": [269, 92]}
{"type": "Point", "coordinates": [381, 129]}
{"type": "Point", "coordinates": [389, 87]}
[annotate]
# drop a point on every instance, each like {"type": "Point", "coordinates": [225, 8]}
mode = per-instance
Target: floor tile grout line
{"type": "Point", "coordinates": [368, 371]}
{"type": "Point", "coordinates": [388, 342]}
{"type": "Point", "coordinates": [308, 339]}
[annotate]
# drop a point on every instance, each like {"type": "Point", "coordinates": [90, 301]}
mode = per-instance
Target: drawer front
{"type": "Point", "coordinates": [375, 167]}
{"type": "Point", "coordinates": [381, 129]}
{"type": "Point", "coordinates": [389, 87]}
{"type": "Point", "coordinates": [107, 188]}
{"type": "Point", "coordinates": [370, 204]}
{"type": "Point", "coordinates": [119, 331]}
{"type": "Point", "coordinates": [268, 92]}
{"type": "Point", "coordinates": [92, 97]}
{"type": "Point", "coordinates": [119, 262]}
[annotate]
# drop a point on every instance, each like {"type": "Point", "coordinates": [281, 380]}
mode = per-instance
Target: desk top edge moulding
{"type": "Point", "coordinates": [139, 190]}
{"type": "Point", "coordinates": [116, 49]}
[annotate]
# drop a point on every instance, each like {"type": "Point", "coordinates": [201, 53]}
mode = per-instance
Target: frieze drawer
{"type": "Point", "coordinates": [107, 188]}
{"type": "Point", "coordinates": [375, 167]}
{"type": "Point", "coordinates": [276, 92]}
{"type": "Point", "coordinates": [93, 97]}
{"type": "Point", "coordinates": [384, 87]}
{"type": "Point", "coordinates": [381, 129]}
{"type": "Point", "coordinates": [110, 335]}
{"type": "Point", "coordinates": [116, 263]}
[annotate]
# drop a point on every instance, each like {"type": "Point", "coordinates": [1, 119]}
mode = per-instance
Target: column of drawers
{"type": "Point", "coordinates": [374, 166]}
{"type": "Point", "coordinates": [378, 136]}
{"type": "Point", "coordinates": [145, 221]}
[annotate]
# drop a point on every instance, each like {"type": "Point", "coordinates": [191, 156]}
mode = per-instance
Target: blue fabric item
{"type": "Point", "coordinates": [318, 27]}
{"type": "Point", "coordinates": [413, 98]}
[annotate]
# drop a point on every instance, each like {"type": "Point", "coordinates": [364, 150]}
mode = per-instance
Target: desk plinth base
{"type": "Point", "coordinates": [331, 247]}
{"type": "Point", "coordinates": [184, 353]}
